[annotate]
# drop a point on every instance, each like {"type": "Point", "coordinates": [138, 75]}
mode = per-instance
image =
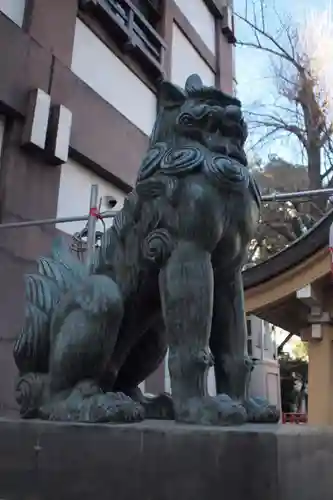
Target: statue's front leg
{"type": "Point", "coordinates": [186, 285]}
{"type": "Point", "coordinates": [228, 344]}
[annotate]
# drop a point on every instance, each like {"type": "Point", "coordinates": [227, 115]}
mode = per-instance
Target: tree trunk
{"type": "Point", "coordinates": [314, 164]}
{"type": "Point", "coordinates": [313, 122]}
{"type": "Point", "coordinates": [314, 157]}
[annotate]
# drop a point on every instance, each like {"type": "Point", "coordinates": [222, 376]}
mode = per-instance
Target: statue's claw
{"type": "Point", "coordinates": [259, 410]}
{"type": "Point", "coordinates": [115, 407]}
{"type": "Point", "coordinates": [93, 406]}
{"type": "Point", "coordinates": [218, 410]}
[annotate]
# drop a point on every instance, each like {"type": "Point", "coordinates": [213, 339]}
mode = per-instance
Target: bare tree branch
{"type": "Point", "coordinates": [279, 51]}
{"type": "Point", "coordinates": [278, 123]}
{"type": "Point", "coordinates": [302, 111]}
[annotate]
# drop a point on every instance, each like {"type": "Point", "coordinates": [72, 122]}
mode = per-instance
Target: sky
{"type": "Point", "coordinates": [253, 69]}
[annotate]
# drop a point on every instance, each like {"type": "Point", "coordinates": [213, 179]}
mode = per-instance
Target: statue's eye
{"type": "Point", "coordinates": [213, 104]}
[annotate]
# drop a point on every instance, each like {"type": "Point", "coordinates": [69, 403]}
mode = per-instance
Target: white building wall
{"type": "Point", "coordinates": [14, 9]}
{"type": "Point", "coordinates": [265, 377]}
{"type": "Point", "coordinates": [107, 75]}
{"type": "Point", "coordinates": [202, 20]}
{"type": "Point", "coordinates": [187, 60]}
{"type": "Point", "coordinates": [74, 195]}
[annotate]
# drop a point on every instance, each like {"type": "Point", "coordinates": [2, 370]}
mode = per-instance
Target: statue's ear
{"type": "Point", "coordinates": [193, 83]}
{"type": "Point", "coordinates": [170, 95]}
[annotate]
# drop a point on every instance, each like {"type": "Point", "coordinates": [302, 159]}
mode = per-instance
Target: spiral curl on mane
{"type": "Point", "coordinates": [225, 171]}
{"type": "Point", "coordinates": [182, 160]}
{"type": "Point", "coordinates": [151, 161]}
{"type": "Point", "coordinates": [157, 246]}
{"type": "Point", "coordinates": [28, 393]}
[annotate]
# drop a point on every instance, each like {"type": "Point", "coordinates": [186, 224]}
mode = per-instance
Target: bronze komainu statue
{"type": "Point", "coordinates": [167, 275]}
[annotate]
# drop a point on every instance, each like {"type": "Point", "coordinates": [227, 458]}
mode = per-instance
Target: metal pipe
{"type": "Point", "coordinates": [45, 222]}
{"type": "Point", "coordinates": [91, 226]}
{"type": "Point", "coordinates": [265, 198]}
{"type": "Point", "coordinates": [310, 193]}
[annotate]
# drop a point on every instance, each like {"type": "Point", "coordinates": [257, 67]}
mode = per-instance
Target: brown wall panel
{"type": "Point", "coordinates": [12, 269]}
{"type": "Point", "coordinates": [100, 134]}
{"type": "Point", "coordinates": [24, 65]}
{"type": "Point", "coordinates": [224, 61]}
{"type": "Point", "coordinates": [110, 40]}
{"type": "Point", "coordinates": [166, 32]}
{"type": "Point", "coordinates": [29, 190]}
{"type": "Point", "coordinates": [52, 24]}
{"type": "Point", "coordinates": [8, 376]}
{"type": "Point", "coordinates": [29, 184]}
{"type": "Point", "coordinates": [11, 320]}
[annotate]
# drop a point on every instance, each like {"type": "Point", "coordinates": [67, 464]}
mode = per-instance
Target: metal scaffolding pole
{"type": "Point", "coordinates": [310, 193]}
{"type": "Point", "coordinates": [265, 198]}
{"type": "Point", "coordinates": [91, 226]}
{"type": "Point", "coordinates": [46, 222]}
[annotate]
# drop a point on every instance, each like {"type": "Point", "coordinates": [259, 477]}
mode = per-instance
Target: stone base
{"type": "Point", "coordinates": [164, 461]}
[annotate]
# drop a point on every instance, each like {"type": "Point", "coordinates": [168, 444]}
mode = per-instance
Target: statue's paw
{"type": "Point", "coordinates": [114, 407]}
{"type": "Point", "coordinates": [259, 410]}
{"type": "Point", "coordinates": [85, 404]}
{"type": "Point", "coordinates": [218, 410]}
{"type": "Point", "coordinates": [136, 394]}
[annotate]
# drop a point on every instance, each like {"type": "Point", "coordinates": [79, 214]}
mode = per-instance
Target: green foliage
{"type": "Point", "coordinates": [300, 351]}
{"type": "Point", "coordinates": [281, 223]}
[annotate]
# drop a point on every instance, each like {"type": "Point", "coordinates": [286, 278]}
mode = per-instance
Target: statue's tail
{"type": "Point", "coordinates": [43, 290]}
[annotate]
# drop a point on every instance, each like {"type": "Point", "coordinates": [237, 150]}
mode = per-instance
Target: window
{"type": "Point", "coordinates": [151, 11]}
{"type": "Point", "coordinates": [134, 27]}
{"type": "Point", "coordinates": [108, 75]}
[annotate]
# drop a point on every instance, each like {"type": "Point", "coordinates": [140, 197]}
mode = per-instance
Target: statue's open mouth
{"type": "Point", "coordinates": [226, 142]}
{"type": "Point", "coordinates": [220, 133]}
{"type": "Point", "coordinates": [225, 132]}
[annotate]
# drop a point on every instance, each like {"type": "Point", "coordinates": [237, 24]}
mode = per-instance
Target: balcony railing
{"type": "Point", "coordinates": [132, 30]}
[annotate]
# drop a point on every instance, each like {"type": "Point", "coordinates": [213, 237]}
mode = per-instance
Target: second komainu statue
{"type": "Point", "coordinates": [167, 276]}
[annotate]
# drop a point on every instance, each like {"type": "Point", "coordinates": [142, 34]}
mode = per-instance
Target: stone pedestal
{"type": "Point", "coordinates": [164, 461]}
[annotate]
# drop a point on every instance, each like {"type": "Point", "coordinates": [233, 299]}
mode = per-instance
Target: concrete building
{"type": "Point", "coordinates": [77, 104]}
